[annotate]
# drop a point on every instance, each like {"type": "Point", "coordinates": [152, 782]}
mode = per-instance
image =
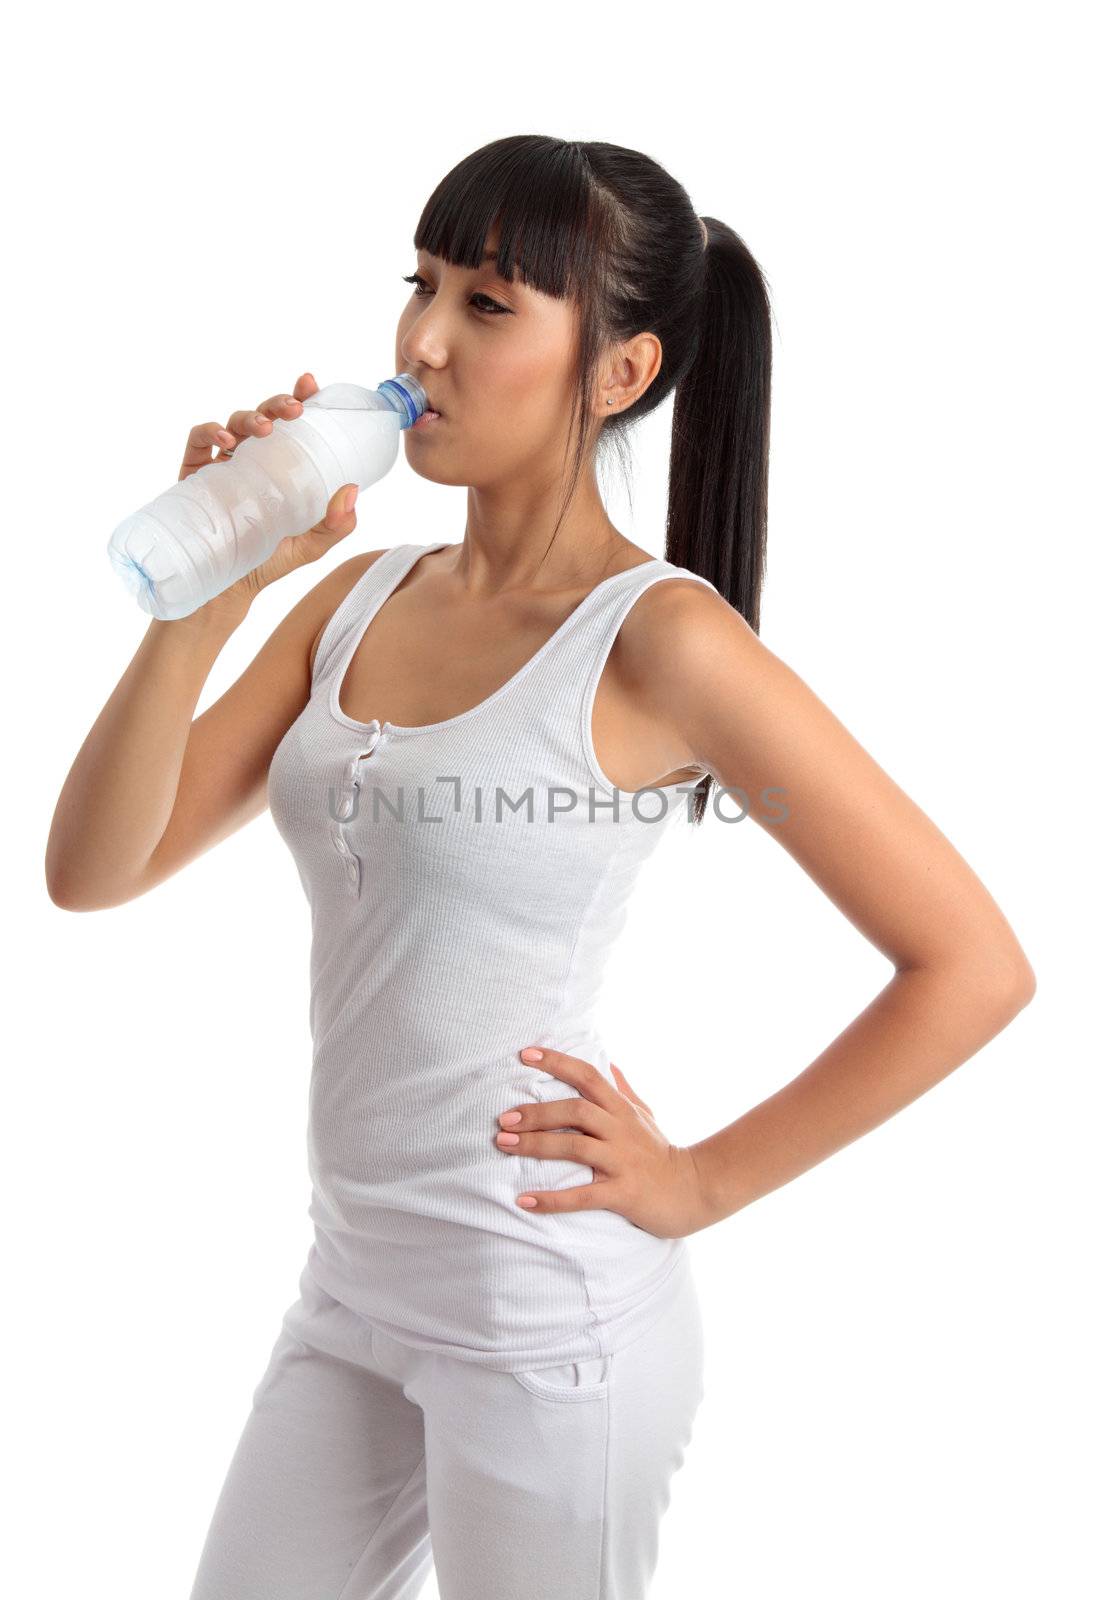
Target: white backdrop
{"type": "Point", "coordinates": [902, 1392]}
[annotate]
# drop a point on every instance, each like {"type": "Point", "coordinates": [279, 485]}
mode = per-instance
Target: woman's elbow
{"type": "Point", "coordinates": [1012, 983]}
{"type": "Point", "coordinates": [1024, 983]}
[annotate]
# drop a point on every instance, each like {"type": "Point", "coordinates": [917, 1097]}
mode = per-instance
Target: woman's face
{"type": "Point", "coordinates": [497, 359]}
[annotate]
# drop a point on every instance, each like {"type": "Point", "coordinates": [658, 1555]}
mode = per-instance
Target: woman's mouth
{"type": "Point", "coordinates": [425, 418]}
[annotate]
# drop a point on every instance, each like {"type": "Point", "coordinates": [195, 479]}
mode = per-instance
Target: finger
{"type": "Point", "coordinates": [584, 1197]}
{"type": "Point", "coordinates": [535, 1114]}
{"type": "Point", "coordinates": [202, 439]}
{"type": "Point", "coordinates": [340, 515]}
{"type": "Point", "coordinates": [252, 424]}
{"type": "Point", "coordinates": [573, 1146]}
{"type": "Point", "coordinates": [246, 424]}
{"type": "Point", "coordinates": [337, 521]}
{"type": "Point", "coordinates": [280, 405]}
{"type": "Point", "coordinates": [582, 1075]}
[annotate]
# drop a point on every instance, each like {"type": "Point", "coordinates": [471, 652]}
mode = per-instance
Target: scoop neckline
{"type": "Point", "coordinates": [449, 722]}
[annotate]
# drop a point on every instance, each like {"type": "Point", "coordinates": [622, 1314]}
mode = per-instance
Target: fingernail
{"type": "Point", "coordinates": [526, 1200]}
{"type": "Point", "coordinates": [531, 1054]}
{"type": "Point", "coordinates": [509, 1118]}
{"type": "Point", "coordinates": [349, 502]}
{"type": "Point", "coordinates": [225, 437]}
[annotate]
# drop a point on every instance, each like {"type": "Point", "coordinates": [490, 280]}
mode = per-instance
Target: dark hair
{"type": "Point", "coordinates": [608, 228]}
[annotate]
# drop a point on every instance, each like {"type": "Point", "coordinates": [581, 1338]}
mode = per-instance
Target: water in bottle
{"type": "Point", "coordinates": [225, 519]}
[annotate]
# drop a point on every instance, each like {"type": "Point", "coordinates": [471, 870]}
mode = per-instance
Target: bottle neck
{"type": "Point", "coordinates": [405, 395]}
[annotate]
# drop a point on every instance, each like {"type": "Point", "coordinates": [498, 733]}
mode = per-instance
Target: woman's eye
{"type": "Point", "coordinates": [490, 309]}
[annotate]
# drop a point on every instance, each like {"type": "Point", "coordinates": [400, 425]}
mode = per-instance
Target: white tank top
{"type": "Point", "coordinates": [463, 902]}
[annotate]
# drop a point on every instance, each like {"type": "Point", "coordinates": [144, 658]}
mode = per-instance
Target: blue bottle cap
{"type": "Point", "coordinates": [407, 395]}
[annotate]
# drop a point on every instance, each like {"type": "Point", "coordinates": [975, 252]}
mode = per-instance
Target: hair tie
{"type": "Point", "coordinates": [704, 234]}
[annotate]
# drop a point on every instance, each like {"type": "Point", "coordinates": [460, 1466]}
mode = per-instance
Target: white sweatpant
{"type": "Point", "coordinates": [362, 1458]}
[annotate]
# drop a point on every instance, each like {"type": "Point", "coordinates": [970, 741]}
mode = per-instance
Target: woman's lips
{"type": "Point", "coordinates": [426, 419]}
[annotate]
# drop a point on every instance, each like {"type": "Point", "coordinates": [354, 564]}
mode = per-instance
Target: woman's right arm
{"type": "Point", "coordinates": [150, 788]}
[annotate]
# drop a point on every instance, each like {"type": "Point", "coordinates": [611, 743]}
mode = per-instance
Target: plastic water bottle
{"type": "Point", "coordinates": [222, 521]}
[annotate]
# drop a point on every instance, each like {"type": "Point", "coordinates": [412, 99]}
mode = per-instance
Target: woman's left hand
{"type": "Point", "coordinates": [638, 1172]}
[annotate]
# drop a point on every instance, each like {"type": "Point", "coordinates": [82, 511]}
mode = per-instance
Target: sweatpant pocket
{"type": "Point", "coordinates": [569, 1380]}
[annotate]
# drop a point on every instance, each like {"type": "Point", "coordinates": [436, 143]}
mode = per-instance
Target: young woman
{"type": "Point", "coordinates": [495, 1352]}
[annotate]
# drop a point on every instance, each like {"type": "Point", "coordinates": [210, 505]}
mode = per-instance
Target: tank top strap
{"type": "Point", "coordinates": [558, 694]}
{"type": "Point", "coordinates": [606, 607]}
{"type": "Point", "coordinates": [362, 599]}
{"type": "Point", "coordinates": [586, 638]}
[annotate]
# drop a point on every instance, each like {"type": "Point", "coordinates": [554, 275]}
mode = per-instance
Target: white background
{"type": "Point", "coordinates": [902, 1391]}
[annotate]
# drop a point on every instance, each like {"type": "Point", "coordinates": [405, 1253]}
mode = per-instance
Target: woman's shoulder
{"type": "Point", "coordinates": [680, 609]}
{"type": "Point", "coordinates": [688, 625]}
{"type": "Point", "coordinates": [334, 588]}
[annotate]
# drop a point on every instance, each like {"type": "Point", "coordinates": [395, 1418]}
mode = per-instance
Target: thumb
{"type": "Point", "coordinates": [626, 1088]}
{"type": "Point", "coordinates": [336, 523]}
{"type": "Point", "coordinates": [344, 499]}
{"type": "Point", "coordinates": [296, 550]}
{"type": "Point", "coordinates": [339, 519]}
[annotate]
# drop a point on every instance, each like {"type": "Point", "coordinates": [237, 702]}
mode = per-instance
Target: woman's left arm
{"type": "Point", "coordinates": [729, 705]}
{"type": "Point", "coordinates": [960, 975]}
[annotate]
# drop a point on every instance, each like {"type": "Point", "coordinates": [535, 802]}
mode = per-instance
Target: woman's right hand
{"type": "Point", "coordinates": [296, 549]}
